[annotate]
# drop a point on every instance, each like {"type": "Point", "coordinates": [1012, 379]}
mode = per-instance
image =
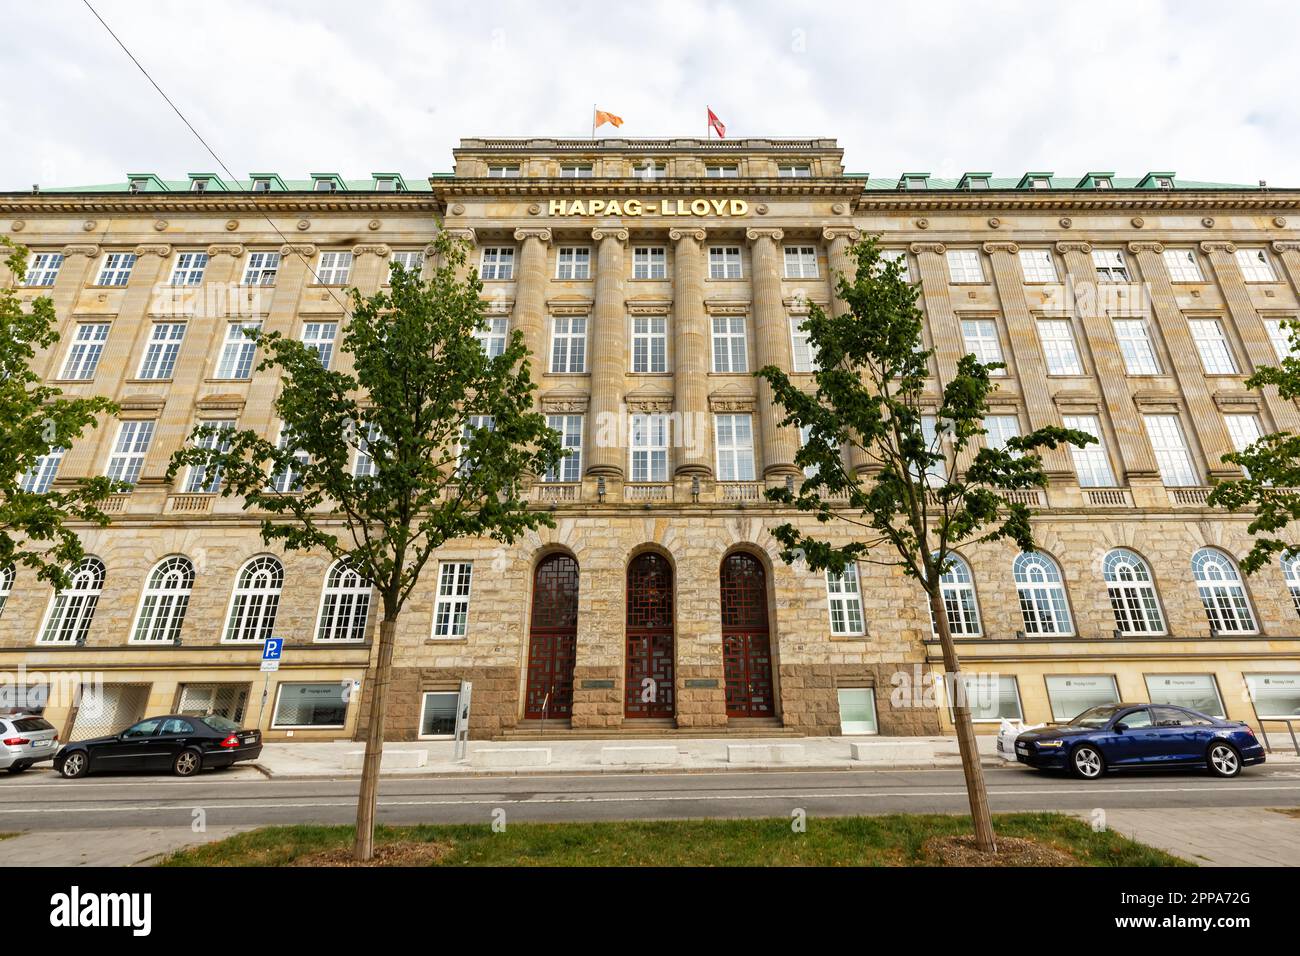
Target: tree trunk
{"type": "Point", "coordinates": [364, 846]}
{"type": "Point", "coordinates": [970, 756]}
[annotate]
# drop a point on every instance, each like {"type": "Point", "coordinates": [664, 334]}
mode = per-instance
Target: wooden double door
{"type": "Point", "coordinates": [552, 639]}
{"type": "Point", "coordinates": [649, 678]}
{"type": "Point", "coordinates": [746, 647]}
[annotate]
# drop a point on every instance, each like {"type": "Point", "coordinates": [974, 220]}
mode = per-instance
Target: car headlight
{"type": "Point", "coordinates": [1050, 743]}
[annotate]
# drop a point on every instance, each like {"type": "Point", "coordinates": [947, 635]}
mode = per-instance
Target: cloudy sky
{"type": "Point", "coordinates": [380, 85]}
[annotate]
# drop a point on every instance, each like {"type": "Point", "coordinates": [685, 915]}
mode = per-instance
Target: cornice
{"type": "Point", "coordinates": [471, 187]}
{"type": "Point", "coordinates": [1085, 200]}
{"type": "Point", "coordinates": [271, 204]}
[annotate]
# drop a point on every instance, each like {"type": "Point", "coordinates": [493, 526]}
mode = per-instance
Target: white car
{"type": "Point", "coordinates": [26, 739]}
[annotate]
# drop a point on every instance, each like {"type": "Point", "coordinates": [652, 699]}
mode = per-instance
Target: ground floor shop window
{"type": "Point", "coordinates": [30, 698]}
{"type": "Point", "coordinates": [438, 713]}
{"type": "Point", "coordinates": [992, 697]}
{"type": "Point", "coordinates": [1275, 695]}
{"type": "Point", "coordinates": [1197, 692]}
{"type": "Point", "coordinates": [106, 709]}
{"type": "Point", "coordinates": [857, 710]}
{"type": "Point", "coordinates": [1071, 696]}
{"type": "Point", "coordinates": [222, 700]}
{"type": "Point", "coordinates": [311, 705]}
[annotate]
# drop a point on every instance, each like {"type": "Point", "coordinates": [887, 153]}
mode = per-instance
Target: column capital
{"type": "Point", "coordinates": [1074, 245]}
{"type": "Point", "coordinates": [464, 234]}
{"type": "Point", "coordinates": [1136, 247]}
{"type": "Point", "coordinates": [1009, 247]}
{"type": "Point", "coordinates": [371, 249]}
{"type": "Point", "coordinates": [938, 248]}
{"type": "Point", "coordinates": [831, 233]}
{"type": "Point", "coordinates": [161, 250]}
{"type": "Point", "coordinates": [605, 232]}
{"type": "Point", "coordinates": [89, 251]}
{"type": "Point", "coordinates": [301, 249]}
{"type": "Point", "coordinates": [753, 235]}
{"type": "Point", "coordinates": [225, 249]}
{"type": "Point", "coordinates": [1218, 246]}
{"type": "Point", "coordinates": [542, 235]}
{"type": "Point", "coordinates": [1286, 245]}
{"type": "Point", "coordinates": [677, 235]}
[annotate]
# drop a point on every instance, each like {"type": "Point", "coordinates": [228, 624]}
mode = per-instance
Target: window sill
{"type": "Point", "coordinates": [446, 640]}
{"type": "Point", "coordinates": [148, 381]}
{"type": "Point", "coordinates": [226, 381]}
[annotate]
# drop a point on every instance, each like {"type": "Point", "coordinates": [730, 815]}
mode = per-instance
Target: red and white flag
{"type": "Point", "coordinates": [716, 124]}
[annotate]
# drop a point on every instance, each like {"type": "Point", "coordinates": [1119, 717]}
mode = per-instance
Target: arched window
{"type": "Point", "coordinates": [165, 599]}
{"type": "Point", "coordinates": [6, 585]}
{"type": "Point", "coordinates": [1042, 594]}
{"type": "Point", "coordinates": [72, 610]}
{"type": "Point", "coordinates": [256, 599]}
{"type": "Point", "coordinates": [345, 605]}
{"type": "Point", "coordinates": [1132, 593]}
{"type": "Point", "coordinates": [1226, 606]}
{"type": "Point", "coordinates": [1291, 569]}
{"type": "Point", "coordinates": [957, 586]}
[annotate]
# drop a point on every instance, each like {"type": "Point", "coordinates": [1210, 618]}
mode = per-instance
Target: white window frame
{"type": "Point", "coordinates": [412, 260]}
{"type": "Point", "coordinates": [649, 344]}
{"type": "Point", "coordinates": [363, 463]}
{"type": "Point", "coordinates": [238, 352]}
{"type": "Point", "coordinates": [648, 447]}
{"type": "Point", "coordinates": [334, 267]}
{"type": "Point", "coordinates": [577, 171]}
{"type": "Point", "coordinates": [84, 354]}
{"type": "Point", "coordinates": [160, 615]}
{"type": "Point", "coordinates": [502, 172]}
{"type": "Point", "coordinates": [1223, 594]}
{"type": "Point", "coordinates": [130, 448]}
{"type": "Point", "coordinates": [1060, 352]}
{"type": "Point", "coordinates": [725, 262]}
{"type": "Point", "coordinates": [492, 335]}
{"type": "Point", "coordinates": [497, 264]}
{"type": "Point", "coordinates": [573, 263]}
{"type": "Point", "coordinates": [1110, 265]}
{"type": "Point", "coordinates": [254, 600]}
{"type": "Point", "coordinates": [1040, 587]}
{"type": "Point", "coordinates": [289, 481]}
{"type": "Point", "coordinates": [964, 267]}
{"type": "Point", "coordinates": [7, 575]}
{"type": "Point", "coordinates": [1291, 571]}
{"type": "Point", "coordinates": [802, 359]}
{"type": "Point", "coordinates": [960, 602]}
{"type": "Point", "coordinates": [320, 337]}
{"type": "Point", "coordinates": [1182, 265]}
{"type": "Point", "coordinates": [1134, 339]}
{"type": "Point", "coordinates": [568, 345]}
{"type": "Point", "coordinates": [981, 339]}
{"type": "Point", "coordinates": [71, 612]}
{"type": "Point", "coordinates": [37, 479]}
{"type": "Point", "coordinates": [1280, 338]}
{"type": "Point", "coordinates": [472, 425]}
{"type": "Point", "coordinates": [261, 268]}
{"type": "Point", "coordinates": [197, 481]}
{"type": "Point", "coordinates": [730, 345]}
{"type": "Point", "coordinates": [794, 171]}
{"type": "Point", "coordinates": [424, 704]}
{"type": "Point", "coordinates": [999, 428]}
{"type": "Point", "coordinates": [1091, 462]}
{"type": "Point", "coordinates": [188, 268]}
{"type": "Point", "coordinates": [1243, 428]}
{"type": "Point", "coordinates": [451, 602]}
{"type": "Point", "coordinates": [801, 262]}
{"type": "Point", "coordinates": [162, 350]}
{"type": "Point", "coordinates": [43, 269]}
{"type": "Point", "coordinates": [1212, 346]}
{"type": "Point", "coordinates": [1038, 267]}
{"type": "Point", "coordinates": [722, 172]}
{"type": "Point", "coordinates": [115, 269]}
{"type": "Point", "coordinates": [1131, 589]}
{"type": "Point", "coordinates": [899, 256]}
{"type": "Point", "coordinates": [345, 600]}
{"type": "Point", "coordinates": [567, 470]}
{"type": "Point", "coordinates": [734, 446]}
{"type": "Point", "coordinates": [1255, 265]}
{"type": "Point", "coordinates": [649, 262]}
{"type": "Point", "coordinates": [1173, 455]}
{"type": "Point", "coordinates": [844, 602]}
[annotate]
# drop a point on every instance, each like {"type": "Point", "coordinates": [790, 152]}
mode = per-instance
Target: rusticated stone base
{"type": "Point", "coordinates": [810, 703]}
{"type": "Point", "coordinates": [494, 707]}
{"type": "Point", "coordinates": [701, 706]}
{"type": "Point", "coordinates": [600, 705]}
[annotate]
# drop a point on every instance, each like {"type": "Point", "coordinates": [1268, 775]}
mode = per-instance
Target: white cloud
{"type": "Point", "coordinates": [327, 86]}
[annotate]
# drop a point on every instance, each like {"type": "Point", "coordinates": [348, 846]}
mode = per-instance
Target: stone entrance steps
{"type": "Point", "coordinates": [646, 730]}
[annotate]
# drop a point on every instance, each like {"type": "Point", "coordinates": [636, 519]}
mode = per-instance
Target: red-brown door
{"type": "Point", "coordinates": [746, 651]}
{"type": "Point", "coordinates": [552, 639]}
{"type": "Point", "coordinates": [648, 689]}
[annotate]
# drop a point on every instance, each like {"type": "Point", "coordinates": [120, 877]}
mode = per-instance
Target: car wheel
{"type": "Point", "coordinates": [74, 765]}
{"type": "Point", "coordinates": [1223, 760]}
{"type": "Point", "coordinates": [19, 767]}
{"type": "Point", "coordinates": [187, 763]}
{"type": "Point", "coordinates": [1087, 762]}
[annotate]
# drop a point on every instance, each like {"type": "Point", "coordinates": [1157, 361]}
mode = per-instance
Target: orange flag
{"type": "Point", "coordinates": [602, 118]}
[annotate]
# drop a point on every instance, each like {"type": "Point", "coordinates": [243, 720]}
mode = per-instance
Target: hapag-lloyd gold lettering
{"type": "Point", "coordinates": [733, 208]}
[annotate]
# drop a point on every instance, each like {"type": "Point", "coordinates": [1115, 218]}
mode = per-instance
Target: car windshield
{"type": "Point", "coordinates": [223, 724]}
{"type": "Point", "coordinates": [1094, 716]}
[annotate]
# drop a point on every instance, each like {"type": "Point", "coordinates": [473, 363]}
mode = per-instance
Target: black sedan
{"type": "Point", "coordinates": [181, 743]}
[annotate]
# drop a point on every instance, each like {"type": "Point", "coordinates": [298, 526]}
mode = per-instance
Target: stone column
{"type": "Point", "coordinates": [691, 334]}
{"type": "Point", "coordinates": [772, 339]}
{"type": "Point", "coordinates": [530, 296]}
{"type": "Point", "coordinates": [369, 274]}
{"type": "Point", "coordinates": [74, 274]}
{"type": "Point", "coordinates": [838, 240]}
{"type": "Point", "coordinates": [606, 338]}
{"type": "Point", "coordinates": [290, 283]}
{"type": "Point", "coordinates": [1203, 414]}
{"type": "Point", "coordinates": [1136, 458]}
{"type": "Point", "coordinates": [467, 236]}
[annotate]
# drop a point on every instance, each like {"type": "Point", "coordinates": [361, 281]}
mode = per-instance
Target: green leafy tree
{"type": "Point", "coordinates": [1270, 486]}
{"type": "Point", "coordinates": [451, 434]}
{"type": "Point", "coordinates": [911, 506]}
{"type": "Point", "coordinates": [34, 420]}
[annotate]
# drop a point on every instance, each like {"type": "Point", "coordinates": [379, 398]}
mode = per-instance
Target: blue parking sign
{"type": "Point", "coordinates": [272, 648]}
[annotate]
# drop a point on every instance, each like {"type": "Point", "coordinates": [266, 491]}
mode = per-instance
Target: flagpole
{"type": "Point", "coordinates": [593, 122]}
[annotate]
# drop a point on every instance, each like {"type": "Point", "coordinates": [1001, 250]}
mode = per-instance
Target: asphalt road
{"type": "Point", "coordinates": [38, 800]}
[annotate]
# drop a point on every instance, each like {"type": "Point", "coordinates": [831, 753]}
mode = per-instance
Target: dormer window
{"type": "Point", "coordinates": [325, 186]}
{"type": "Point", "coordinates": [1164, 182]}
{"type": "Point", "coordinates": [1102, 182]}
{"type": "Point", "coordinates": [137, 185]}
{"type": "Point", "coordinates": [261, 185]}
{"type": "Point", "coordinates": [1039, 182]}
{"type": "Point", "coordinates": [199, 186]}
{"type": "Point", "coordinates": [386, 184]}
{"type": "Point", "coordinates": [914, 181]}
{"type": "Point", "coordinates": [979, 182]}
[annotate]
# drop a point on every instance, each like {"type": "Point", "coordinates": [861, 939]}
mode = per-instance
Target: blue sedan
{"type": "Point", "coordinates": [1132, 736]}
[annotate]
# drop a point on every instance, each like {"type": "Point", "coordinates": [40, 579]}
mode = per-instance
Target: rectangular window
{"type": "Point", "coordinates": [1071, 696]}
{"type": "Point", "coordinates": [801, 262]}
{"type": "Point", "coordinates": [451, 610]}
{"type": "Point", "coordinates": [794, 172]}
{"type": "Point", "coordinates": [981, 339]}
{"type": "Point", "coordinates": [367, 437]}
{"type": "Point", "coordinates": [1244, 430]}
{"type": "Point", "coordinates": [474, 424]}
{"type": "Point", "coordinates": [1182, 265]}
{"type": "Point", "coordinates": [37, 479]}
{"type": "Point", "coordinates": [261, 268]}
{"type": "Point", "coordinates": [845, 601]}
{"type": "Point", "coordinates": [188, 268]}
{"type": "Point", "coordinates": [729, 348]}
{"type": "Point", "coordinates": [1172, 456]}
{"type": "Point", "coordinates": [319, 338]}
{"type": "Point", "coordinates": [311, 705]}
{"type": "Point", "coordinates": [1212, 344]}
{"type": "Point", "coordinates": [412, 260]}
{"type": "Point", "coordinates": [936, 473]}
{"type": "Point", "coordinates": [569, 344]}
{"type": "Point", "coordinates": [87, 347]}
{"type": "Point", "coordinates": [497, 263]}
{"type": "Point", "coordinates": [1091, 463]}
{"type": "Point", "coordinates": [1253, 263]}
{"type": "Point", "coordinates": [722, 172]}
{"type": "Point", "coordinates": [160, 353]}
{"type": "Point", "coordinates": [503, 172]}
{"type": "Point", "coordinates": [116, 268]}
{"type": "Point", "coordinates": [735, 447]}
{"type": "Point", "coordinates": [1057, 338]}
{"type": "Point", "coordinates": [570, 429]}
{"type": "Point", "coordinates": [649, 262]}
{"type": "Point", "coordinates": [438, 711]}
{"type": "Point", "coordinates": [575, 172]}
{"type": "Point", "coordinates": [964, 266]}
{"type": "Point", "coordinates": [649, 447]}
{"type": "Point", "coordinates": [334, 268]}
{"type": "Point", "coordinates": [801, 353]}
{"type": "Point", "coordinates": [573, 262]}
{"type": "Point", "coordinates": [805, 434]}
{"type": "Point", "coordinates": [649, 343]}
{"type": "Point", "coordinates": [491, 335]}
{"type": "Point", "coordinates": [132, 445]}
{"type": "Point", "coordinates": [237, 351]}
{"type": "Point", "coordinates": [857, 710]}
{"type": "Point", "coordinates": [1135, 345]}
{"type": "Point", "coordinates": [1274, 695]}
{"type": "Point", "coordinates": [992, 697]}
{"type": "Point", "coordinates": [999, 429]}
{"type": "Point", "coordinates": [1110, 265]}
{"type": "Point", "coordinates": [1198, 692]}
{"type": "Point", "coordinates": [1037, 265]}
{"type": "Point", "coordinates": [1280, 337]}
{"type": "Point", "coordinates": [42, 269]}
{"type": "Point", "coordinates": [724, 262]}
{"type": "Point", "coordinates": [650, 171]}
{"type": "Point", "coordinates": [200, 480]}
{"type": "Point", "coordinates": [289, 480]}
{"type": "Point", "coordinates": [899, 256]}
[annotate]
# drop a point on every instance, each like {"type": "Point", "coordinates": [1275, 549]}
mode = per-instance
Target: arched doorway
{"type": "Point", "coordinates": [648, 689]}
{"type": "Point", "coordinates": [746, 649]}
{"type": "Point", "coordinates": [552, 639]}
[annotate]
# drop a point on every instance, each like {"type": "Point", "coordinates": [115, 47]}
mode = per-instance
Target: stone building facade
{"type": "Point", "coordinates": [650, 278]}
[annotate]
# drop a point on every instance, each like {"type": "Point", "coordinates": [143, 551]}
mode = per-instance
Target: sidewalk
{"type": "Point", "coordinates": [304, 760]}
{"type": "Point", "coordinates": [124, 846]}
{"type": "Point", "coordinates": [1213, 836]}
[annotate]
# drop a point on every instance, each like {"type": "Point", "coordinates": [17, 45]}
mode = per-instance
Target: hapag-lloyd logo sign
{"type": "Point", "coordinates": [700, 207]}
